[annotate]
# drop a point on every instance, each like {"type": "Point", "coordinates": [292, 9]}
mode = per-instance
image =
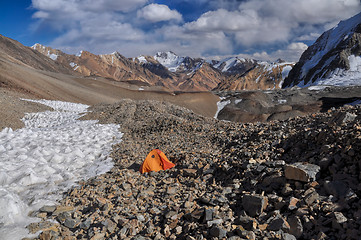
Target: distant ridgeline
{"type": "Point", "coordinates": [175, 73]}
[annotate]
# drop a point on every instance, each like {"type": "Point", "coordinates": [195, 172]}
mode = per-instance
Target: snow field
{"type": "Point", "coordinates": [47, 157]}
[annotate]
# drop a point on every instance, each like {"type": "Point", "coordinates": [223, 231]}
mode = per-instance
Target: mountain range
{"type": "Point", "coordinates": [334, 59]}
{"type": "Point", "coordinates": [168, 71]}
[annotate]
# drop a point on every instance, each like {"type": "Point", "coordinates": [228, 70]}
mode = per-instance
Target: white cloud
{"type": "Point", "coordinates": [223, 20]}
{"type": "Point", "coordinates": [309, 37]}
{"type": "Point", "coordinates": [268, 22]}
{"type": "Point", "coordinates": [305, 11]}
{"type": "Point", "coordinates": [158, 13]}
{"type": "Point", "coordinates": [87, 5]}
{"type": "Point", "coordinates": [103, 26]}
{"type": "Point", "coordinates": [291, 53]}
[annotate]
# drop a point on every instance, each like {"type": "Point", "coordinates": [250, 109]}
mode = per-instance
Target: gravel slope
{"type": "Point", "coordinates": [12, 108]}
{"type": "Point", "coordinates": [294, 179]}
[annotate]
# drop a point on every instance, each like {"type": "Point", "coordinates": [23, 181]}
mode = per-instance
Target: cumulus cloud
{"type": "Point", "coordinates": [221, 28]}
{"type": "Point", "coordinates": [291, 53]}
{"type": "Point", "coordinates": [88, 5]}
{"type": "Point", "coordinates": [158, 13]}
{"type": "Point", "coordinates": [268, 22]}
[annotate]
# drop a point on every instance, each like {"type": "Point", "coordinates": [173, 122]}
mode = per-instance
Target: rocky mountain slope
{"type": "Point", "coordinates": [172, 72]}
{"type": "Point", "coordinates": [262, 75]}
{"type": "Point", "coordinates": [333, 59]}
{"type": "Point", "coordinates": [17, 53]}
{"type": "Point", "coordinates": [293, 179]}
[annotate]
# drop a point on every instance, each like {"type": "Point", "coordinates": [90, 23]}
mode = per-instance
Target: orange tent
{"type": "Point", "coordinates": [156, 161]}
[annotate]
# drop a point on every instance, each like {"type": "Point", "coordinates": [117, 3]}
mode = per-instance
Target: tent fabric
{"type": "Point", "coordinates": [156, 161]}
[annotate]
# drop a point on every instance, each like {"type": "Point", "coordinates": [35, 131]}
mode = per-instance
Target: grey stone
{"type": "Point", "coordinates": [247, 235]}
{"type": "Point", "coordinates": [47, 209]}
{"type": "Point", "coordinates": [304, 172]}
{"type": "Point", "coordinates": [247, 222]}
{"type": "Point", "coordinates": [278, 223]}
{"type": "Point", "coordinates": [287, 236]}
{"type": "Point", "coordinates": [214, 222]}
{"type": "Point", "coordinates": [208, 215]}
{"type": "Point", "coordinates": [255, 204]}
{"type": "Point", "coordinates": [296, 227]}
{"type": "Point", "coordinates": [218, 232]}
{"type": "Point", "coordinates": [343, 117]}
{"type": "Point", "coordinates": [71, 223]}
{"type": "Point", "coordinates": [338, 189]}
{"type": "Point", "coordinates": [85, 224]}
{"type": "Point", "coordinates": [311, 196]}
{"type": "Point", "coordinates": [338, 220]}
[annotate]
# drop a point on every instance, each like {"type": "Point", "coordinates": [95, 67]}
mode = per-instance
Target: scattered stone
{"type": "Point", "coordinates": [296, 228]}
{"type": "Point", "coordinates": [310, 196]}
{"type": "Point", "coordinates": [338, 220]}
{"type": "Point", "coordinates": [231, 180]}
{"type": "Point", "coordinates": [47, 209]}
{"type": "Point", "coordinates": [279, 223]}
{"type": "Point", "coordinates": [247, 235]}
{"type": "Point", "coordinates": [293, 203]}
{"type": "Point", "coordinates": [247, 222]}
{"type": "Point", "coordinates": [254, 204]}
{"type": "Point", "coordinates": [304, 172]}
{"type": "Point", "coordinates": [218, 232]}
{"type": "Point", "coordinates": [343, 117]}
{"type": "Point", "coordinates": [287, 236]}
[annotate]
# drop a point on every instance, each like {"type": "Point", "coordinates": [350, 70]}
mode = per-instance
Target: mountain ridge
{"type": "Point", "coordinates": [168, 70]}
{"type": "Point", "coordinates": [332, 59]}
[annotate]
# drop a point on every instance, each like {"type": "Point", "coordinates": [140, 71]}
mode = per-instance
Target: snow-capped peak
{"type": "Point", "coordinates": [226, 64]}
{"type": "Point", "coordinates": [169, 60]}
{"type": "Point", "coordinates": [37, 46]}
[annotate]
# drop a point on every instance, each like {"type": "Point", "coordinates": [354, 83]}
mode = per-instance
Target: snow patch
{"type": "Point", "coordinates": [47, 157]}
{"type": "Point", "coordinates": [53, 56]}
{"type": "Point", "coordinates": [238, 101]}
{"type": "Point", "coordinates": [79, 53]}
{"type": "Point", "coordinates": [221, 104]}
{"type": "Point", "coordinates": [317, 88]}
{"type": "Point", "coordinates": [285, 71]}
{"type": "Point", "coordinates": [142, 59]}
{"type": "Point", "coordinates": [73, 64]}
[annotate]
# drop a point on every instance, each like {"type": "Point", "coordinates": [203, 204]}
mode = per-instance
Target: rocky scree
{"type": "Point", "coordinates": [294, 179]}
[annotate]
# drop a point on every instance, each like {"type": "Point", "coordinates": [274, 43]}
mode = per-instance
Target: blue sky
{"type": "Point", "coordinates": [260, 29]}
